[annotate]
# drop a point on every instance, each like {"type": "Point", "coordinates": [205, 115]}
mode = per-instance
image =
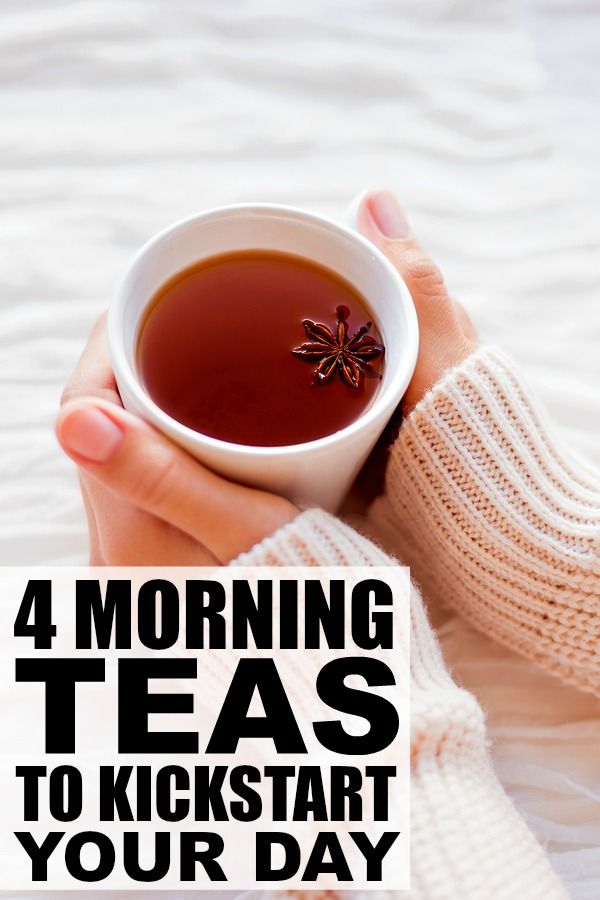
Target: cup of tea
{"type": "Point", "coordinates": [270, 343]}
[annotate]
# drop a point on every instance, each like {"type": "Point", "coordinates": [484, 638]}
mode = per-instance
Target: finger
{"type": "Point", "coordinates": [465, 322]}
{"type": "Point", "coordinates": [381, 219]}
{"type": "Point", "coordinates": [148, 471]}
{"type": "Point", "coordinates": [129, 536]}
{"type": "Point", "coordinates": [95, 555]}
{"type": "Point", "coordinates": [93, 375]}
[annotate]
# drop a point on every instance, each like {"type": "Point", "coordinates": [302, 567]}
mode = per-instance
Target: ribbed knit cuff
{"type": "Point", "coordinates": [314, 538]}
{"type": "Point", "coordinates": [495, 520]}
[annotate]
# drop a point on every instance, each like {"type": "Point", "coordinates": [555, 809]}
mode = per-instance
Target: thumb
{"type": "Point", "coordinates": [143, 467]}
{"type": "Point", "coordinates": [382, 220]}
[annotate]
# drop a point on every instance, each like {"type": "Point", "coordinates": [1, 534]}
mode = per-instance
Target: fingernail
{"type": "Point", "coordinates": [387, 215]}
{"type": "Point", "coordinates": [89, 433]}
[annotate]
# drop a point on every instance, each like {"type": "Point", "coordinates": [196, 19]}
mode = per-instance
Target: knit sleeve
{"type": "Point", "coordinates": [494, 519]}
{"type": "Point", "coordinates": [467, 840]}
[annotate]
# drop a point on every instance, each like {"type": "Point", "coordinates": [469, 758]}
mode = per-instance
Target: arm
{"type": "Point", "coordinates": [495, 520]}
{"type": "Point", "coordinates": [465, 833]}
{"type": "Point", "coordinates": [490, 515]}
{"type": "Point", "coordinates": [149, 503]}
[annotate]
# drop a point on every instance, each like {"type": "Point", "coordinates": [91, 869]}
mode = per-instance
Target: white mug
{"type": "Point", "coordinates": [317, 472]}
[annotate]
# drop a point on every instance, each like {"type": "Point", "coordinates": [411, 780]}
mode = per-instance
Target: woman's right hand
{"type": "Point", "coordinates": [446, 334]}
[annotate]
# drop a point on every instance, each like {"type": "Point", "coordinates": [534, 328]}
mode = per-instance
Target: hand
{"type": "Point", "coordinates": [147, 501]}
{"type": "Point", "coordinates": [447, 336]}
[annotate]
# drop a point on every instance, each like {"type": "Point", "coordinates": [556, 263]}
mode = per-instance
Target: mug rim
{"type": "Point", "coordinates": [125, 372]}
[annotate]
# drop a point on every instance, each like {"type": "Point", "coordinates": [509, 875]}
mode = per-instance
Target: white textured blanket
{"type": "Point", "coordinates": [119, 117]}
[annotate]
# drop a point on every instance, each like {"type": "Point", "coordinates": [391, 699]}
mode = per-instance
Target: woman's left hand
{"type": "Point", "coordinates": [147, 501]}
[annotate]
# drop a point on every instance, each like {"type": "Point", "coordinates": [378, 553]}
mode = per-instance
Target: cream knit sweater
{"type": "Point", "coordinates": [494, 520]}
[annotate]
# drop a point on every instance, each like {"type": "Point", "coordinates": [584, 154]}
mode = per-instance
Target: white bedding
{"type": "Point", "coordinates": [119, 117]}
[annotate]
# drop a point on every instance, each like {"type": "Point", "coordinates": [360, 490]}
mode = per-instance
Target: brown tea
{"type": "Point", "coordinates": [259, 347]}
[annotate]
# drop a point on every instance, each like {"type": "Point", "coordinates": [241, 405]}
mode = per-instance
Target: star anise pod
{"type": "Point", "coordinates": [336, 352]}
